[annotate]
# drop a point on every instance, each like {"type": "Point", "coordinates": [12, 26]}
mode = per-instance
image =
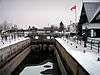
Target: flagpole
{"type": "Point", "coordinates": [75, 14]}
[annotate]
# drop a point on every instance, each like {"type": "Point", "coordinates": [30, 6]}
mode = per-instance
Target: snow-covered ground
{"type": "Point", "coordinates": [90, 47]}
{"type": "Point", "coordinates": [84, 56]}
{"type": "Point", "coordinates": [6, 47]}
{"type": "Point", "coordinates": [4, 43]}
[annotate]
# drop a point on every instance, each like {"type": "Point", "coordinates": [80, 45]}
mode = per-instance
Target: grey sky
{"type": "Point", "coordinates": [38, 13]}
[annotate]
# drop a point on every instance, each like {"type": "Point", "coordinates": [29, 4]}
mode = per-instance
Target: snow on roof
{"type": "Point", "coordinates": [91, 8]}
{"type": "Point", "coordinates": [91, 0]}
{"type": "Point", "coordinates": [97, 11]}
{"type": "Point", "coordinates": [87, 60]}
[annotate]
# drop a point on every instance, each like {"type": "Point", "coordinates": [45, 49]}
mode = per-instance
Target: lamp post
{"type": "Point", "coordinates": [85, 36]}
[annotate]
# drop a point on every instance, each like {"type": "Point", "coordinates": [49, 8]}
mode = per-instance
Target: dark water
{"type": "Point", "coordinates": [38, 63]}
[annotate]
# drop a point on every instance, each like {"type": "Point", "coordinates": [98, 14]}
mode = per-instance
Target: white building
{"type": "Point", "coordinates": [72, 28]}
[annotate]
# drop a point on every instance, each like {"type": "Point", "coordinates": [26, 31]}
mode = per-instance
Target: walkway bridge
{"type": "Point", "coordinates": [42, 38]}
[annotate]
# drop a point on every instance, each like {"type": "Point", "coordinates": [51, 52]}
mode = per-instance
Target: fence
{"type": "Point", "coordinates": [92, 43]}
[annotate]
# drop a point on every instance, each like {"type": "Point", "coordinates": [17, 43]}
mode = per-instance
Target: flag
{"type": "Point", "coordinates": [73, 7]}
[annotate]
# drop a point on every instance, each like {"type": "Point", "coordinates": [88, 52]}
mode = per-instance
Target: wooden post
{"type": "Point", "coordinates": [91, 44]}
{"type": "Point", "coordinates": [98, 46]}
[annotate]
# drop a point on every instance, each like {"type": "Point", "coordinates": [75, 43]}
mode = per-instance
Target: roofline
{"type": "Point", "coordinates": [98, 10]}
{"type": "Point", "coordinates": [92, 2]}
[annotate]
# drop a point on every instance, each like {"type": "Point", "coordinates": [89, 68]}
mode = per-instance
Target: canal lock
{"type": "Point", "coordinates": [40, 61]}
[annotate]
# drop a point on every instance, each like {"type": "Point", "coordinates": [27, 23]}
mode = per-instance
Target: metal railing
{"type": "Point", "coordinates": [92, 43]}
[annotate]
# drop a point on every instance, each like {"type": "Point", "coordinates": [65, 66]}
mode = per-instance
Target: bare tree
{"type": "Point", "coordinates": [5, 26]}
{"type": "Point", "coordinates": [61, 28]}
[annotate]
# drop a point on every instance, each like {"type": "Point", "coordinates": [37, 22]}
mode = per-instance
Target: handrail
{"type": "Point", "coordinates": [92, 43]}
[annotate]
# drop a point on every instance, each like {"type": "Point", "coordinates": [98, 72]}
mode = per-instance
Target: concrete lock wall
{"type": "Point", "coordinates": [70, 63]}
{"type": "Point", "coordinates": [14, 55]}
{"type": "Point", "coordinates": [60, 63]}
{"type": "Point", "coordinates": [9, 51]}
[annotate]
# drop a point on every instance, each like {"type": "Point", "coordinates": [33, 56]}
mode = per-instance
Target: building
{"type": "Point", "coordinates": [72, 28]}
{"type": "Point", "coordinates": [90, 19]}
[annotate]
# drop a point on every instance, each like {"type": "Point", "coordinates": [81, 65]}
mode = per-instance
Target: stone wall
{"type": "Point", "coordinates": [13, 55]}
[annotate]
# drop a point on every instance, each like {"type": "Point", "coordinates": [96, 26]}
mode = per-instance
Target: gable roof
{"type": "Point", "coordinates": [91, 8]}
{"type": "Point", "coordinates": [96, 16]}
{"type": "Point", "coordinates": [90, 11]}
{"type": "Point", "coordinates": [83, 17]}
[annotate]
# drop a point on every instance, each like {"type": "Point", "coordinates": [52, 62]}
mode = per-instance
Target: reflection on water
{"type": "Point", "coordinates": [36, 70]}
{"type": "Point", "coordinates": [38, 63]}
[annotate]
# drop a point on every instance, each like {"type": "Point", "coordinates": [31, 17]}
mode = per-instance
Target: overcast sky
{"type": "Point", "coordinates": [38, 13]}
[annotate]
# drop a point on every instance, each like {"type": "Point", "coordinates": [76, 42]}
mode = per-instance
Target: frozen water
{"type": "Point", "coordinates": [35, 70]}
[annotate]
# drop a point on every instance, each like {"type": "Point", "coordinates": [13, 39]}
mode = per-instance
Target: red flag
{"type": "Point", "coordinates": [73, 7]}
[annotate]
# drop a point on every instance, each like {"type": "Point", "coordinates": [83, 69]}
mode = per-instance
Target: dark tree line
{"type": "Point", "coordinates": [61, 28]}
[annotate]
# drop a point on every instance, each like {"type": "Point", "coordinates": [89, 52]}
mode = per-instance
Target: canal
{"type": "Point", "coordinates": [38, 62]}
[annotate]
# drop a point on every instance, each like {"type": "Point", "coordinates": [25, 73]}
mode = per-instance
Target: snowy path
{"type": "Point", "coordinates": [81, 44]}
{"type": "Point", "coordinates": [4, 43]}
{"type": "Point", "coordinates": [10, 47]}
{"type": "Point", "coordinates": [87, 60]}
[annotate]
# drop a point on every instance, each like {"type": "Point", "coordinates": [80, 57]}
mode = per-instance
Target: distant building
{"type": "Point", "coordinates": [72, 28]}
{"type": "Point", "coordinates": [61, 27]}
{"type": "Point", "coordinates": [5, 26]}
{"type": "Point", "coordinates": [51, 29]}
{"type": "Point", "coordinates": [90, 19]}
